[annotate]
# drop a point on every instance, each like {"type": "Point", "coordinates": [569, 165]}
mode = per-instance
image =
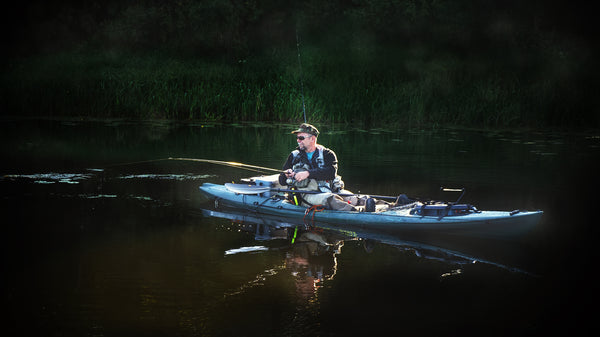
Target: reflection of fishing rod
{"type": "Point", "coordinates": [209, 161]}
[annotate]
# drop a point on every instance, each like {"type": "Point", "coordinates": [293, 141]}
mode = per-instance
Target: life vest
{"type": "Point", "coordinates": [324, 185]}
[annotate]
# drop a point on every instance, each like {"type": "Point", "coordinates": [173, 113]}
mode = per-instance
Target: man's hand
{"type": "Point", "coordinates": [301, 175]}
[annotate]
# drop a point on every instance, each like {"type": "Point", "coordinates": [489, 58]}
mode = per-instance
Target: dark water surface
{"type": "Point", "coordinates": [97, 246]}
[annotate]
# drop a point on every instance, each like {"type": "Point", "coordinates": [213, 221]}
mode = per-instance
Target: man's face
{"type": "Point", "coordinates": [304, 140]}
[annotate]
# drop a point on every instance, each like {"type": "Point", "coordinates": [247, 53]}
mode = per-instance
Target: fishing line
{"type": "Point", "coordinates": [135, 163]}
{"type": "Point", "coordinates": [301, 81]}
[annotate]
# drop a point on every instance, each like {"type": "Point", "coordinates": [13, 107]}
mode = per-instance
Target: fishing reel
{"type": "Point", "coordinates": [293, 182]}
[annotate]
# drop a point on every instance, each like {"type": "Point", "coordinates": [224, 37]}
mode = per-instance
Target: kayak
{"type": "Point", "coordinates": [447, 218]}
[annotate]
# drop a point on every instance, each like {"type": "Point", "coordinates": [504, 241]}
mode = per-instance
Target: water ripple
{"type": "Point", "coordinates": [178, 177]}
{"type": "Point", "coordinates": [51, 178]}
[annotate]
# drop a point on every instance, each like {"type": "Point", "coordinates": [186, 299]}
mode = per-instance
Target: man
{"type": "Point", "coordinates": [313, 167]}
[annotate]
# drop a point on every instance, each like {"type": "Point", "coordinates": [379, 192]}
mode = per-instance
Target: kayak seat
{"type": "Point", "coordinates": [370, 205]}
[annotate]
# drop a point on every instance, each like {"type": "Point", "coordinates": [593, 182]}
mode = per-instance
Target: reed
{"type": "Point", "coordinates": [394, 91]}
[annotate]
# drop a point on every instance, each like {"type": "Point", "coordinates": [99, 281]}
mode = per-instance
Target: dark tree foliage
{"type": "Point", "coordinates": [244, 26]}
{"type": "Point", "coordinates": [436, 60]}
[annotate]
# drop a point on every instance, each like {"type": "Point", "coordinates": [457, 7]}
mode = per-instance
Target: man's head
{"type": "Point", "coordinates": [306, 136]}
{"type": "Point", "coordinates": [307, 128]}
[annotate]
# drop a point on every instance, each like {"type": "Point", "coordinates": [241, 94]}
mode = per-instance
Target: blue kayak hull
{"type": "Point", "coordinates": [483, 223]}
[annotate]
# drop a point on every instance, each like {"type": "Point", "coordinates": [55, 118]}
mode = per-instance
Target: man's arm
{"type": "Point", "coordinates": [286, 166]}
{"type": "Point", "coordinates": [329, 171]}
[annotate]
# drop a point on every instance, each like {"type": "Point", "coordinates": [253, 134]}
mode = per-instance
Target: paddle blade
{"type": "Point", "coordinates": [247, 189]}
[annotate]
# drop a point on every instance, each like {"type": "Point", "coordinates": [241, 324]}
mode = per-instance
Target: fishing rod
{"type": "Point", "coordinates": [255, 189]}
{"type": "Point", "coordinates": [229, 163]}
{"type": "Point", "coordinates": [301, 81]}
{"type": "Point", "coordinates": [209, 161]}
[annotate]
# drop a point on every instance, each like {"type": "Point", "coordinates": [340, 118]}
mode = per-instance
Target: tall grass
{"type": "Point", "coordinates": [399, 90]}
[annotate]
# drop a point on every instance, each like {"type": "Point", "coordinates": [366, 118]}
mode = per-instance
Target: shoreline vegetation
{"type": "Point", "coordinates": [359, 71]}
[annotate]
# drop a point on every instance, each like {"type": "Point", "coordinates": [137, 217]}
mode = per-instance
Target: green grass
{"type": "Point", "coordinates": [404, 89]}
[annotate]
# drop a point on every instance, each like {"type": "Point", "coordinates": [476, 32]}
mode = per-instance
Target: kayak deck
{"type": "Point", "coordinates": [439, 218]}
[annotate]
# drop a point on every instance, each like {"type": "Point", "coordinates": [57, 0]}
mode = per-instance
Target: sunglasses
{"type": "Point", "coordinates": [302, 137]}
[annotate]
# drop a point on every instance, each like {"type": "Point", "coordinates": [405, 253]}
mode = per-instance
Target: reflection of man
{"type": "Point", "coordinates": [313, 167]}
{"type": "Point", "coordinates": [312, 261]}
{"type": "Point", "coordinates": [304, 279]}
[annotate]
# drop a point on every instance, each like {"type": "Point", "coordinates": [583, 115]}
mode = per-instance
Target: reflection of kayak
{"type": "Point", "coordinates": [438, 218]}
{"type": "Point", "coordinates": [269, 227]}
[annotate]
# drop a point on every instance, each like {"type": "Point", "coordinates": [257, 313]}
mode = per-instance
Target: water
{"type": "Point", "coordinates": [97, 246]}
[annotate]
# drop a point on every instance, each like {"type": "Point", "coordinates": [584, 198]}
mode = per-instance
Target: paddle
{"type": "Point", "coordinates": [255, 189]}
{"type": "Point", "coordinates": [443, 189]}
